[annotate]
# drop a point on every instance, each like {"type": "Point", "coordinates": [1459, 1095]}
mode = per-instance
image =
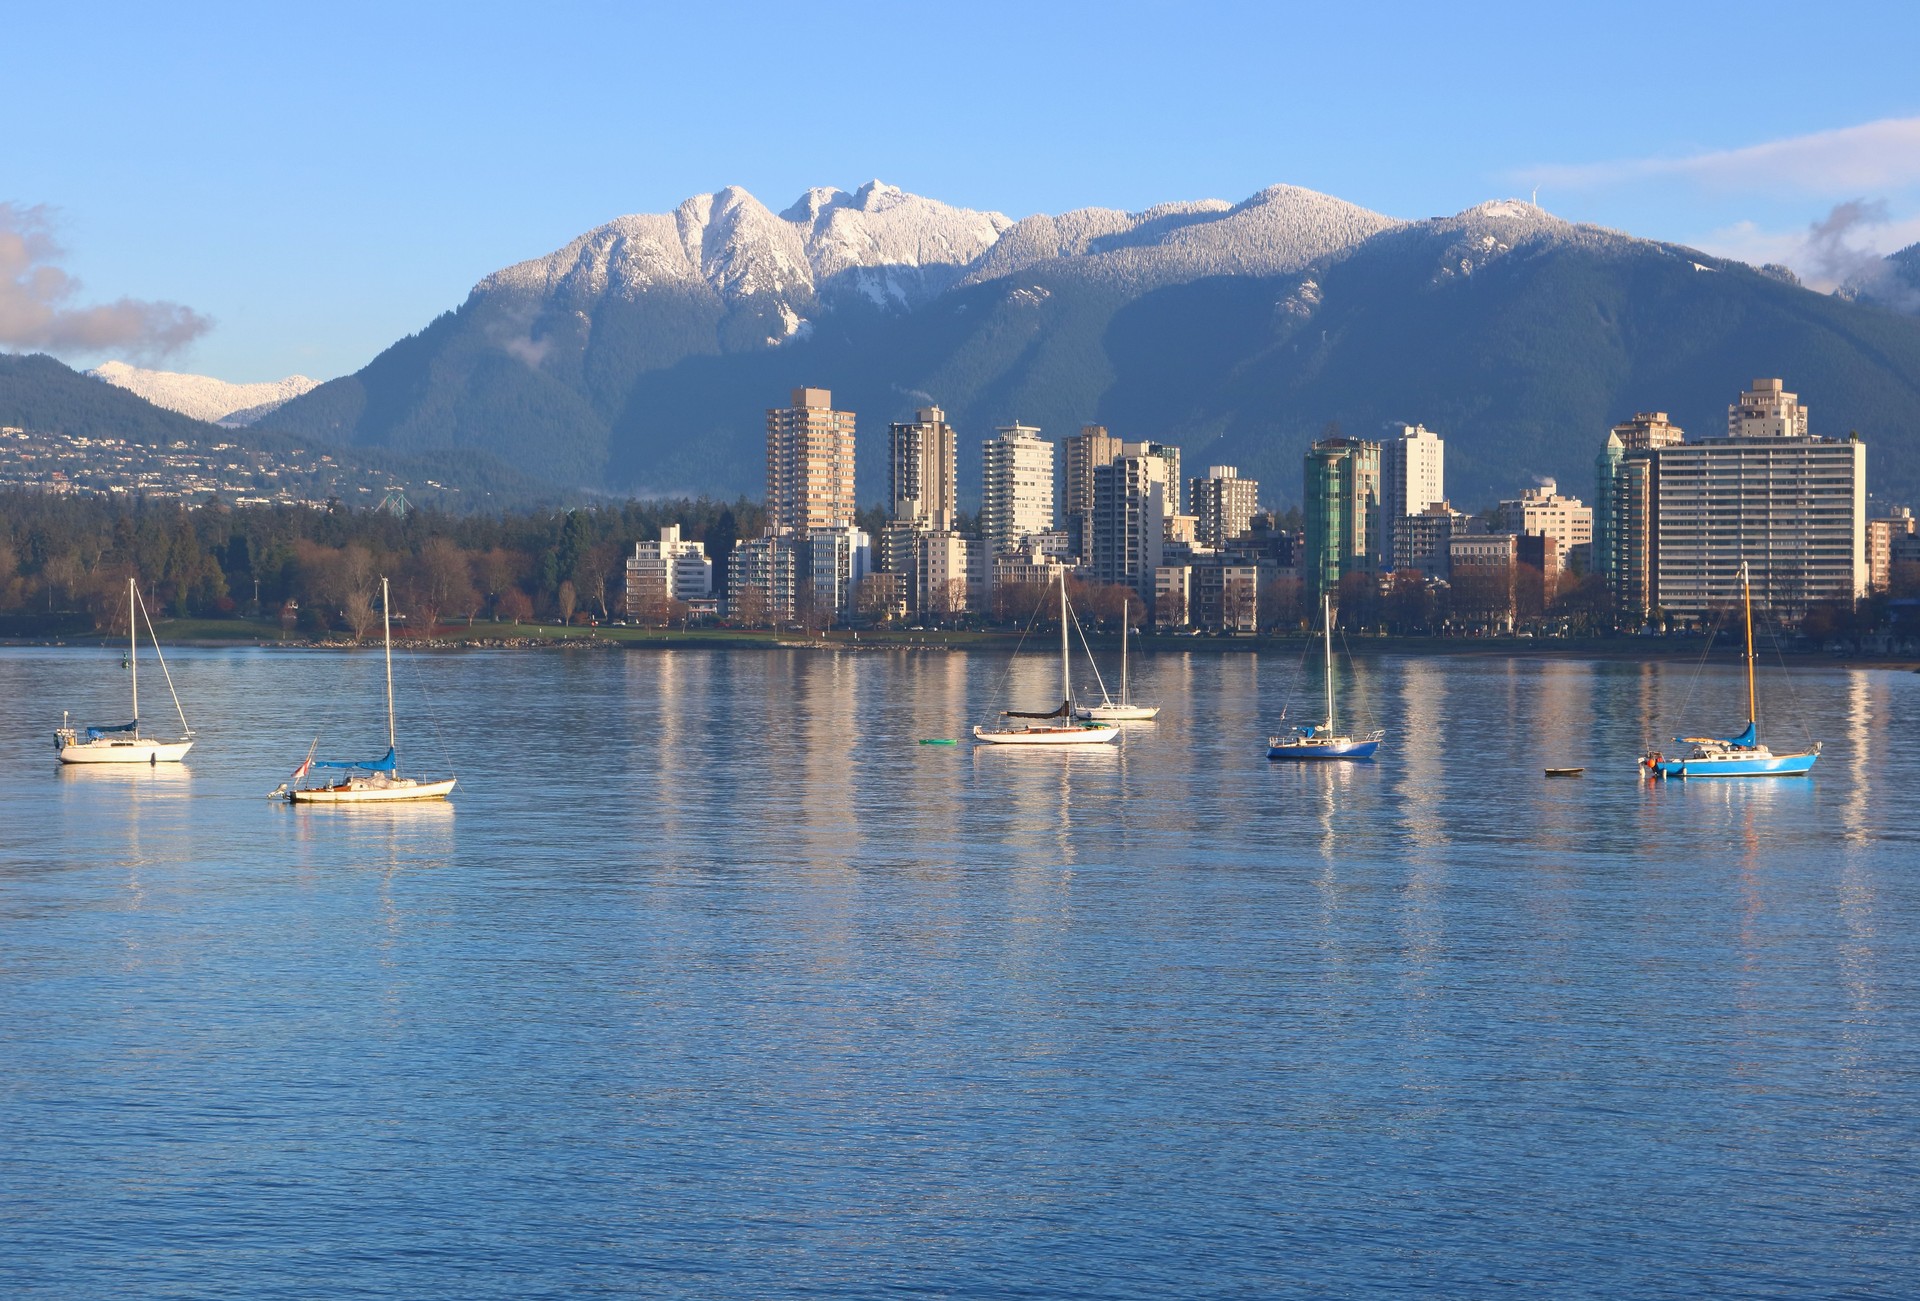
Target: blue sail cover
{"type": "Point", "coordinates": [99, 730]}
{"type": "Point", "coordinates": [383, 764]}
{"type": "Point", "coordinates": [1746, 738]}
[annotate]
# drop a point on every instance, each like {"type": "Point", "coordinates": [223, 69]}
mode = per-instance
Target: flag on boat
{"type": "Point", "coordinates": [306, 765]}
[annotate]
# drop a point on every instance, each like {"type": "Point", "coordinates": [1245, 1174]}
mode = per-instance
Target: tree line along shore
{"type": "Point", "coordinates": [293, 574]}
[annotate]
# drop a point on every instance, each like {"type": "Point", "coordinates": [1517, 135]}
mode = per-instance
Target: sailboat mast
{"type": "Point", "coordinates": [1126, 635]}
{"type": "Point", "coordinates": [133, 647]}
{"type": "Point", "coordinates": [1746, 596]}
{"type": "Point", "coordinates": [1066, 663]}
{"type": "Point", "coordinates": [1326, 622]}
{"type": "Point", "coordinates": [386, 626]}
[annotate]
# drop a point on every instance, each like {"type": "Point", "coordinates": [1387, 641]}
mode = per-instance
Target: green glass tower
{"type": "Point", "coordinates": [1342, 503]}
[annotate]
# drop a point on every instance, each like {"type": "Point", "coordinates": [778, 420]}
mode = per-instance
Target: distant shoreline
{"type": "Point", "coordinates": [235, 635]}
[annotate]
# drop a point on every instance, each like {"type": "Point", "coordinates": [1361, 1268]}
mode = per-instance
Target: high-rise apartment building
{"type": "Point", "coordinates": [1342, 504]}
{"type": "Point", "coordinates": [1224, 505]}
{"type": "Point", "coordinates": [1131, 502]}
{"type": "Point", "coordinates": [1648, 431]}
{"type": "Point", "coordinates": [1623, 527]}
{"type": "Point", "coordinates": [809, 465]}
{"type": "Point", "coordinates": [1412, 478]}
{"type": "Point", "coordinates": [1767, 410]}
{"type": "Point", "coordinates": [1170, 454]}
{"type": "Point", "coordinates": [1675, 521]}
{"type": "Point", "coordinates": [1016, 488]}
{"type": "Point", "coordinates": [1793, 507]}
{"type": "Point", "coordinates": [1085, 452]}
{"type": "Point", "coordinates": [1543, 512]}
{"type": "Point", "coordinates": [920, 471]}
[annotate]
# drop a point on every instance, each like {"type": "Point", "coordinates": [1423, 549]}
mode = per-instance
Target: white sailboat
{"type": "Point", "coordinates": [1056, 726]}
{"type": "Point", "coordinates": [1122, 710]}
{"type": "Point", "coordinates": [123, 743]}
{"type": "Point", "coordinates": [372, 781]}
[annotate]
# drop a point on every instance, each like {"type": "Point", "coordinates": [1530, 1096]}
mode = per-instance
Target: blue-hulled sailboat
{"type": "Point", "coordinates": [1736, 756]}
{"type": "Point", "coordinates": [1324, 740]}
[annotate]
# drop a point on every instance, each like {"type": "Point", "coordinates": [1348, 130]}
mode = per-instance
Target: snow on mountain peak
{"type": "Point", "coordinates": [202, 396]}
{"type": "Point", "coordinates": [730, 244]}
{"type": "Point", "coordinates": [898, 250]}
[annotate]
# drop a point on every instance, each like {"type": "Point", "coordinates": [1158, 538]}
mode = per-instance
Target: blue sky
{"type": "Point", "coordinates": [319, 180]}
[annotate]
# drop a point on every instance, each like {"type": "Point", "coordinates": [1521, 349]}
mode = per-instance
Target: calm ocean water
{"type": "Point", "coordinates": [711, 981]}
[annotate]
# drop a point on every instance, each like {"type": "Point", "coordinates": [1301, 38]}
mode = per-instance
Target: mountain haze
{"type": "Point", "coordinates": [640, 357]}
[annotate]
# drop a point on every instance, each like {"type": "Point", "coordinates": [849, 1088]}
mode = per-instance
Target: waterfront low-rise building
{"type": "Point", "coordinates": [763, 580]}
{"type": "Point", "coordinates": [1881, 535]}
{"type": "Point", "coordinates": [664, 571]}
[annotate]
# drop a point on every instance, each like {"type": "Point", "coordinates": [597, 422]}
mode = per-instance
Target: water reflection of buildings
{"type": "Point", "coordinates": [1865, 697]}
{"type": "Point", "coordinates": [825, 720]}
{"type": "Point", "coordinates": [661, 749]}
{"type": "Point", "coordinates": [1419, 749]}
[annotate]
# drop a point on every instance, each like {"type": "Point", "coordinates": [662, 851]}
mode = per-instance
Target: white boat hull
{"type": "Point", "coordinates": [1078, 735]}
{"type": "Point", "coordinates": [378, 791]}
{"type": "Point", "coordinates": [1119, 713]}
{"type": "Point", "coordinates": [105, 751]}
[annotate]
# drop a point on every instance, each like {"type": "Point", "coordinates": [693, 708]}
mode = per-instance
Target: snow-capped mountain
{"type": "Point", "coordinates": [204, 397]}
{"type": "Point", "coordinates": [641, 356]}
{"type": "Point", "coordinates": [900, 251]}
{"type": "Point", "coordinates": [887, 245]}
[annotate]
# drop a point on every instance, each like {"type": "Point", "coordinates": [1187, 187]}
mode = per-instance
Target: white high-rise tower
{"type": "Point", "coordinates": [1016, 497]}
{"type": "Point", "coordinates": [1412, 478]}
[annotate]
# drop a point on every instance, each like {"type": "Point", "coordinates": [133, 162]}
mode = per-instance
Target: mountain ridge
{"type": "Point", "coordinates": [640, 356]}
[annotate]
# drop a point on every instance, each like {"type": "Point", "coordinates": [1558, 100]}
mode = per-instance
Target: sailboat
{"type": "Point", "coordinates": [1324, 740]}
{"type": "Point", "coordinates": [1738, 756]}
{"type": "Point", "coordinates": [1123, 710]}
{"type": "Point", "coordinates": [369, 781]}
{"type": "Point", "coordinates": [122, 743]}
{"type": "Point", "coordinates": [1056, 726]}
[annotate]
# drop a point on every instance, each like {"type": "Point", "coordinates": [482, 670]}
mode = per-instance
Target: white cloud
{"type": "Point", "coordinates": [1880, 156]}
{"type": "Point", "coordinates": [1849, 244]}
{"type": "Point", "coordinates": [35, 293]}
